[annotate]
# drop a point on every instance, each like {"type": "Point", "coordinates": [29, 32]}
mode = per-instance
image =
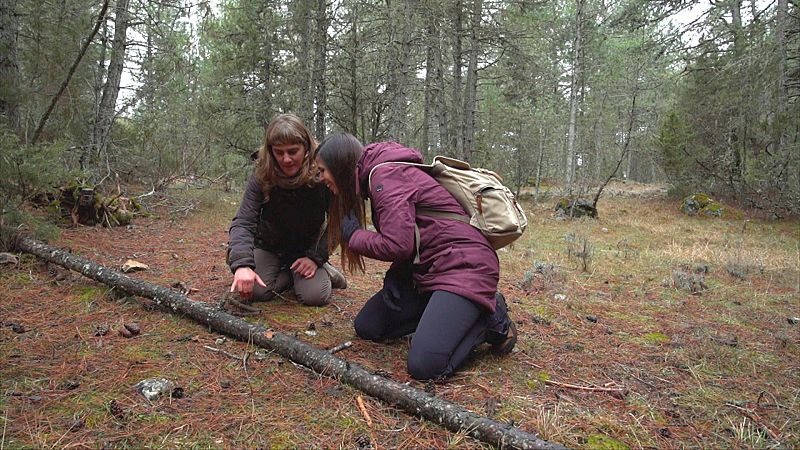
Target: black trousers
{"type": "Point", "coordinates": [446, 327]}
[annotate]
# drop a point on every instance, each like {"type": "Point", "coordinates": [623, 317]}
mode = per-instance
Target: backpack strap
{"type": "Point", "coordinates": [432, 170]}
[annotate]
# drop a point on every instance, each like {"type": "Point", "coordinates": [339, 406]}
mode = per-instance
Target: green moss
{"type": "Point", "coordinates": [540, 379]}
{"type": "Point", "coordinates": [656, 338]}
{"type": "Point", "coordinates": [87, 294]}
{"type": "Point", "coordinates": [603, 442]}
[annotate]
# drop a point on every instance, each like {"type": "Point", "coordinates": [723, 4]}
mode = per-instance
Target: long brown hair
{"type": "Point", "coordinates": [285, 129]}
{"type": "Point", "coordinates": [340, 153]}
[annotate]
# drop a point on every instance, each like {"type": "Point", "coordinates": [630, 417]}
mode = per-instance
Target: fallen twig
{"type": "Point", "coordinates": [229, 355]}
{"type": "Point", "coordinates": [340, 347]}
{"type": "Point", "coordinates": [243, 306]}
{"type": "Point", "coordinates": [363, 410]}
{"type": "Point", "coordinates": [584, 388]}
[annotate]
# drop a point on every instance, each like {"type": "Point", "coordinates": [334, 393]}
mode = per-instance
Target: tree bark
{"type": "Point", "coordinates": [471, 84]}
{"type": "Point", "coordinates": [573, 99]}
{"type": "Point", "coordinates": [455, 113]}
{"type": "Point", "coordinates": [9, 65]}
{"type": "Point", "coordinates": [410, 399]}
{"type": "Point", "coordinates": [400, 70]}
{"type": "Point", "coordinates": [100, 18]}
{"type": "Point", "coordinates": [105, 116]}
{"type": "Point", "coordinates": [320, 65]}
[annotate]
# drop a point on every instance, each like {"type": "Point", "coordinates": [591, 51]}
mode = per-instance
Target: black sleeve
{"type": "Point", "coordinates": [242, 233]}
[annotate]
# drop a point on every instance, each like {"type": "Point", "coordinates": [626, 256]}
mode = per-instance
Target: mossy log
{"type": "Point", "coordinates": [85, 205]}
{"type": "Point", "coordinates": [412, 400]}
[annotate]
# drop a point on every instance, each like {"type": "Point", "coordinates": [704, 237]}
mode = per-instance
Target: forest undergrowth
{"type": "Point", "coordinates": [644, 328]}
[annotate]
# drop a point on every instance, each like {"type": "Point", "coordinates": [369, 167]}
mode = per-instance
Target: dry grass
{"type": "Point", "coordinates": [713, 369]}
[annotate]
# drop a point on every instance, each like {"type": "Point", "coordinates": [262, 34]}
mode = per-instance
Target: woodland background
{"type": "Point", "coordinates": [562, 93]}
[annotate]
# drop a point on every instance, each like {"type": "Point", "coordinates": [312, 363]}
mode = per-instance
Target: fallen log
{"type": "Point", "coordinates": [412, 400]}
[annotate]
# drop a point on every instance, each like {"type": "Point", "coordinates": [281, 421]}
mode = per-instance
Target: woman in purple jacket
{"type": "Point", "coordinates": [448, 297]}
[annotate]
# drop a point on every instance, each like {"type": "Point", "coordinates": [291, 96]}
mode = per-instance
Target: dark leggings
{"type": "Point", "coordinates": [446, 327]}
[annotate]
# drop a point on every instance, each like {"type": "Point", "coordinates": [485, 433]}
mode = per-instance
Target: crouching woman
{"type": "Point", "coordinates": [445, 289]}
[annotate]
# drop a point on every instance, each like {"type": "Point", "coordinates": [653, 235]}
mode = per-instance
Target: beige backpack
{"type": "Point", "coordinates": [490, 206]}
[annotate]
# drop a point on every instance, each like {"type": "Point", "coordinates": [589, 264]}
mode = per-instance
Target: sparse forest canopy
{"type": "Point", "coordinates": [560, 93]}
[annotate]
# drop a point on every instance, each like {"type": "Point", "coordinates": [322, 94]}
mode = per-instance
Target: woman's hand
{"type": "Point", "coordinates": [305, 266]}
{"type": "Point", "coordinates": [244, 280]}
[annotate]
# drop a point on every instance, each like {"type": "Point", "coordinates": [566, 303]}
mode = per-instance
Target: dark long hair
{"type": "Point", "coordinates": [340, 153]}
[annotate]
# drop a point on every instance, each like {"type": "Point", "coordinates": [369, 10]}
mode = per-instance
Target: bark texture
{"type": "Point", "coordinates": [410, 399]}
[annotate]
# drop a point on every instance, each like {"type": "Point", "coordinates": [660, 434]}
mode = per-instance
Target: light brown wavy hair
{"type": "Point", "coordinates": [286, 129]}
{"type": "Point", "coordinates": [340, 153]}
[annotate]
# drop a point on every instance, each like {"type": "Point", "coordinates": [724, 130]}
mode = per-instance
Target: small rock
{"type": "Point", "coordinates": [126, 333]}
{"type": "Point", "coordinates": [152, 388]}
{"type": "Point", "coordinates": [591, 318]}
{"type": "Point", "coordinates": [604, 230]}
{"type": "Point", "coordinates": [134, 328]}
{"type": "Point", "coordinates": [311, 333]}
{"type": "Point", "coordinates": [793, 320]}
{"type": "Point", "coordinates": [560, 297]}
{"type": "Point", "coordinates": [17, 328]}
{"type": "Point", "coordinates": [224, 384]}
{"type": "Point", "coordinates": [101, 330]}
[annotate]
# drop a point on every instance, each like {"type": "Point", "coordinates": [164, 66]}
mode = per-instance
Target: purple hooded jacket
{"type": "Point", "coordinates": [454, 256]}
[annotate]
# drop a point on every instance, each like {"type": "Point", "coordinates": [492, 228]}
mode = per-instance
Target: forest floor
{"type": "Point", "coordinates": [644, 328]}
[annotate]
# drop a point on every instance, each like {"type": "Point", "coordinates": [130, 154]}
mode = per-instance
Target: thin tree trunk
{"type": "Point", "coordinates": [100, 18]}
{"type": "Point", "coordinates": [781, 35]}
{"type": "Point", "coordinates": [108, 103]}
{"type": "Point", "coordinates": [320, 65]}
{"type": "Point", "coordinates": [428, 112]}
{"type": "Point", "coordinates": [9, 65]}
{"type": "Point", "coordinates": [401, 72]}
{"type": "Point", "coordinates": [456, 113]}
{"type": "Point", "coordinates": [441, 98]}
{"type": "Point", "coordinates": [573, 100]}
{"type": "Point", "coordinates": [305, 25]}
{"type": "Point", "coordinates": [541, 160]}
{"type": "Point", "coordinates": [471, 86]}
{"type": "Point", "coordinates": [410, 399]}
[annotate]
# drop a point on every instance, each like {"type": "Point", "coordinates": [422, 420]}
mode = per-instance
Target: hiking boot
{"type": "Point", "coordinates": [501, 333]}
{"type": "Point", "coordinates": [338, 281]}
{"type": "Point", "coordinates": [505, 347]}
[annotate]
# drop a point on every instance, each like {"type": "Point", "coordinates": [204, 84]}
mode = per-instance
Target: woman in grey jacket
{"type": "Point", "coordinates": [278, 237]}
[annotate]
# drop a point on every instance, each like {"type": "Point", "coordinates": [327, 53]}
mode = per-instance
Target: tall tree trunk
{"type": "Point", "coordinates": [456, 116]}
{"type": "Point", "coordinates": [354, 97]}
{"type": "Point", "coordinates": [105, 119]}
{"type": "Point", "coordinates": [400, 71]}
{"type": "Point", "coordinates": [781, 36]}
{"type": "Point", "coordinates": [471, 87]}
{"type": "Point", "coordinates": [306, 33]}
{"type": "Point", "coordinates": [441, 99]}
{"type": "Point", "coordinates": [429, 110]}
{"type": "Point", "coordinates": [320, 65]}
{"type": "Point", "coordinates": [9, 65]}
{"type": "Point", "coordinates": [542, 138]}
{"type": "Point", "coordinates": [573, 99]}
